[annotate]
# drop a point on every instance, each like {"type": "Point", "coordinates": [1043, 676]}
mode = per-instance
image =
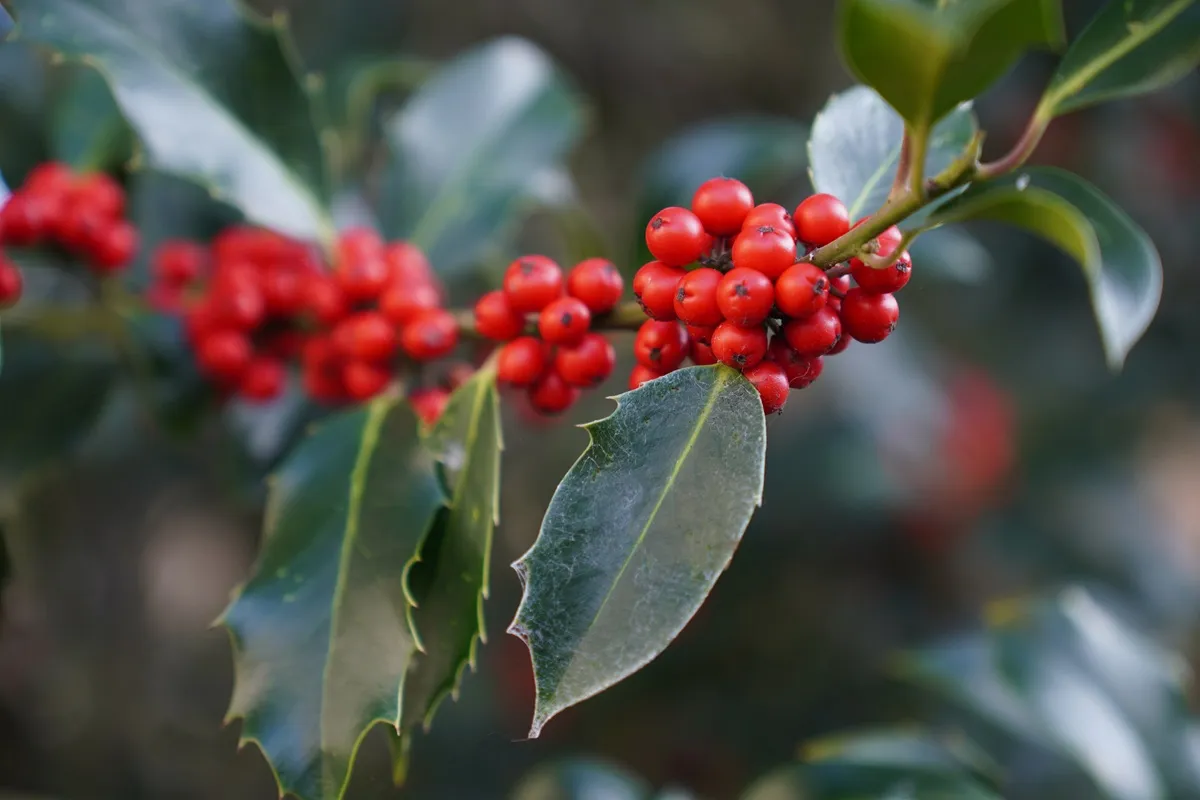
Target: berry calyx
{"type": "Point", "coordinates": [766, 249]}
{"type": "Point", "coordinates": [820, 219]}
{"type": "Point", "coordinates": [598, 283]}
{"type": "Point", "coordinates": [745, 296]}
{"type": "Point", "coordinates": [721, 204]}
{"type": "Point", "coordinates": [564, 321]}
{"type": "Point", "coordinates": [802, 290]}
{"type": "Point", "coordinates": [814, 335]}
{"type": "Point", "coordinates": [655, 286]}
{"type": "Point", "coordinates": [772, 385]}
{"type": "Point", "coordinates": [551, 394]}
{"type": "Point", "coordinates": [588, 363]}
{"type": "Point", "coordinates": [660, 346]}
{"type": "Point", "coordinates": [696, 297]}
{"type": "Point", "coordinates": [739, 347]}
{"type": "Point", "coordinates": [430, 335]}
{"type": "Point", "coordinates": [532, 283]}
{"type": "Point", "coordinates": [771, 214]}
{"type": "Point", "coordinates": [496, 319]}
{"type": "Point", "coordinates": [891, 278]}
{"type": "Point", "coordinates": [867, 317]}
{"type": "Point", "coordinates": [676, 237]}
{"type": "Point", "coordinates": [521, 362]}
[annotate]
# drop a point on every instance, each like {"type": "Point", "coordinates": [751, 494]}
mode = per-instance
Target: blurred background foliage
{"type": "Point", "coordinates": [984, 451]}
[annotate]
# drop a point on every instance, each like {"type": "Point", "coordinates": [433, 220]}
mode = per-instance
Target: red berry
{"type": "Point", "coordinates": [522, 361]}
{"type": "Point", "coordinates": [496, 319]}
{"type": "Point", "coordinates": [772, 384]}
{"type": "Point", "coordinates": [701, 354]}
{"type": "Point", "coordinates": [739, 347]}
{"type": "Point", "coordinates": [322, 370]}
{"type": "Point", "coordinates": [50, 177]}
{"type": "Point", "coordinates": [11, 283]}
{"type": "Point", "coordinates": [564, 321]}
{"type": "Point", "coordinates": [325, 300]}
{"type": "Point", "coordinates": [366, 336]}
{"type": "Point", "coordinates": [766, 249]}
{"type": "Point", "coordinates": [660, 346]}
{"type": "Point", "coordinates": [362, 279]}
{"type": "Point", "coordinates": [430, 335]}
{"type": "Point", "coordinates": [820, 219]}
{"type": "Point", "coordinates": [23, 221]}
{"type": "Point", "coordinates": [101, 194]}
{"type": "Point", "coordinates": [78, 228]}
{"type": "Point", "coordinates": [838, 286]}
{"type": "Point", "coordinates": [223, 355]}
{"type": "Point", "coordinates": [642, 374]}
{"type": "Point", "coordinates": [745, 296]}
{"type": "Point", "coordinates": [722, 204]}
{"type": "Point", "coordinates": [407, 264]}
{"type": "Point", "coordinates": [597, 283]}
{"type": "Point", "coordinates": [882, 281]}
{"type": "Point", "coordinates": [429, 403]}
{"type": "Point", "coordinates": [199, 320]}
{"type": "Point", "coordinates": [588, 363]}
{"type": "Point", "coordinates": [841, 345]}
{"type": "Point", "coordinates": [237, 302]}
{"type": "Point", "coordinates": [802, 289]}
{"type": "Point", "coordinates": [888, 241]}
{"type": "Point", "coordinates": [800, 371]}
{"type": "Point", "coordinates": [401, 302]}
{"type": "Point", "coordinates": [165, 299]}
{"type": "Point", "coordinates": [676, 237]}
{"type": "Point", "coordinates": [362, 380]}
{"type": "Point", "coordinates": [771, 214]}
{"type": "Point", "coordinates": [869, 317]}
{"type": "Point", "coordinates": [288, 343]}
{"type": "Point", "coordinates": [814, 335]}
{"type": "Point", "coordinates": [532, 283]}
{"type": "Point", "coordinates": [701, 333]}
{"type": "Point", "coordinates": [654, 286]}
{"type": "Point", "coordinates": [358, 244]}
{"type": "Point", "coordinates": [177, 262]}
{"type": "Point", "coordinates": [696, 297]}
{"type": "Point", "coordinates": [551, 394]}
{"type": "Point", "coordinates": [262, 380]}
{"type": "Point", "coordinates": [283, 288]}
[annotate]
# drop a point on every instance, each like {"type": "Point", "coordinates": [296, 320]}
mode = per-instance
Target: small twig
{"type": "Point", "coordinates": [1020, 152]}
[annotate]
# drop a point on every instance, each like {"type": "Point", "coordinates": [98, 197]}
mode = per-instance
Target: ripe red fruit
{"type": "Point", "coordinates": [23, 221]}
{"type": "Point", "coordinates": [739, 347]}
{"type": "Point", "coordinates": [814, 335]}
{"type": "Point", "coordinates": [841, 345]}
{"type": "Point", "coordinates": [888, 241]}
{"type": "Point", "coordinates": [532, 283]}
{"type": "Point", "coordinates": [365, 336]}
{"type": "Point", "coordinates": [676, 237]}
{"type": "Point", "coordinates": [800, 371]}
{"type": "Point", "coordinates": [362, 380]}
{"type": "Point", "coordinates": [820, 219]}
{"type": "Point", "coordinates": [49, 177]}
{"type": "Point", "coordinates": [721, 204]}
{"type": "Point", "coordinates": [325, 300]}
{"type": "Point", "coordinates": [869, 317]}
{"type": "Point", "coordinates": [772, 384]}
{"type": "Point", "coordinates": [654, 286]}
{"type": "Point", "coordinates": [838, 287]}
{"type": "Point", "coordinates": [771, 214]}
{"type": "Point", "coordinates": [745, 296]}
{"type": "Point", "coordinates": [262, 380]}
{"type": "Point", "coordinates": [882, 281]}
{"type": "Point", "coordinates": [358, 244]}
{"type": "Point", "coordinates": [288, 343]}
{"type": "Point", "coordinates": [401, 302]}
{"type": "Point", "coordinates": [802, 290]}
{"type": "Point", "coordinates": [551, 394]}
{"type": "Point", "coordinates": [701, 333]}
{"type": "Point", "coordinates": [696, 297]}
{"type": "Point", "coordinates": [429, 403]}
{"type": "Point", "coordinates": [223, 355]}
{"type": "Point", "coordinates": [588, 363]}
{"type": "Point", "coordinates": [496, 319]}
{"type": "Point", "coordinates": [564, 321]}
{"type": "Point", "coordinates": [113, 246]}
{"type": "Point", "coordinates": [11, 283]}
{"type": "Point", "coordinates": [597, 283]}
{"type": "Point", "coordinates": [363, 278]}
{"type": "Point", "coordinates": [701, 354]}
{"type": "Point", "coordinates": [407, 264]}
{"type": "Point", "coordinates": [237, 302]}
{"type": "Point", "coordinates": [430, 335]}
{"type": "Point", "coordinates": [766, 249]}
{"type": "Point", "coordinates": [660, 346]}
{"type": "Point", "coordinates": [283, 285]}
{"type": "Point", "coordinates": [100, 193]}
{"type": "Point", "coordinates": [522, 361]}
{"type": "Point", "coordinates": [642, 374]}
{"type": "Point", "coordinates": [177, 262]}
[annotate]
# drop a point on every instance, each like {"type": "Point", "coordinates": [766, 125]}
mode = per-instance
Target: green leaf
{"type": "Point", "coordinates": [1123, 270]}
{"type": "Point", "coordinates": [25, 89]}
{"type": "Point", "coordinates": [855, 147]}
{"type": "Point", "coordinates": [321, 639]}
{"type": "Point", "coordinates": [89, 132]}
{"type": "Point", "coordinates": [469, 148]}
{"type": "Point", "coordinates": [1131, 47]}
{"type": "Point", "coordinates": [448, 619]}
{"type": "Point", "coordinates": [581, 779]}
{"type": "Point", "coordinates": [638, 532]}
{"type": "Point", "coordinates": [211, 94]}
{"type": "Point", "coordinates": [925, 60]}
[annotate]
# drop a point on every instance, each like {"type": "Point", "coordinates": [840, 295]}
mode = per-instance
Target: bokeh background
{"type": "Point", "coordinates": [983, 451]}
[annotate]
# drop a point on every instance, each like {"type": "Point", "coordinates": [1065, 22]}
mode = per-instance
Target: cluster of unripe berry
{"type": "Point", "coordinates": [752, 301]}
{"type": "Point", "coordinates": [565, 356]}
{"type": "Point", "coordinates": [83, 214]}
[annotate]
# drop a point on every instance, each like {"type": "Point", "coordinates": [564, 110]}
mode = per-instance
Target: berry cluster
{"type": "Point", "coordinates": [568, 356]}
{"type": "Point", "coordinates": [752, 301]}
{"type": "Point", "coordinates": [83, 214]}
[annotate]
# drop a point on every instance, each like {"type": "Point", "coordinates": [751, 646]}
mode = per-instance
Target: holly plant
{"type": "Point", "coordinates": [237, 213]}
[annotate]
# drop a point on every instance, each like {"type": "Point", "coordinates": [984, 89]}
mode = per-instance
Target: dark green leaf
{"type": "Point", "coordinates": [855, 147]}
{"type": "Point", "coordinates": [89, 132]}
{"type": "Point", "coordinates": [1123, 269]}
{"type": "Point", "coordinates": [448, 619]}
{"type": "Point", "coordinates": [925, 60]}
{"type": "Point", "coordinates": [1131, 47]}
{"type": "Point", "coordinates": [25, 89]}
{"type": "Point", "coordinates": [469, 149]}
{"type": "Point", "coordinates": [581, 779]}
{"type": "Point", "coordinates": [209, 91]}
{"type": "Point", "coordinates": [321, 639]}
{"type": "Point", "coordinates": [639, 531]}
